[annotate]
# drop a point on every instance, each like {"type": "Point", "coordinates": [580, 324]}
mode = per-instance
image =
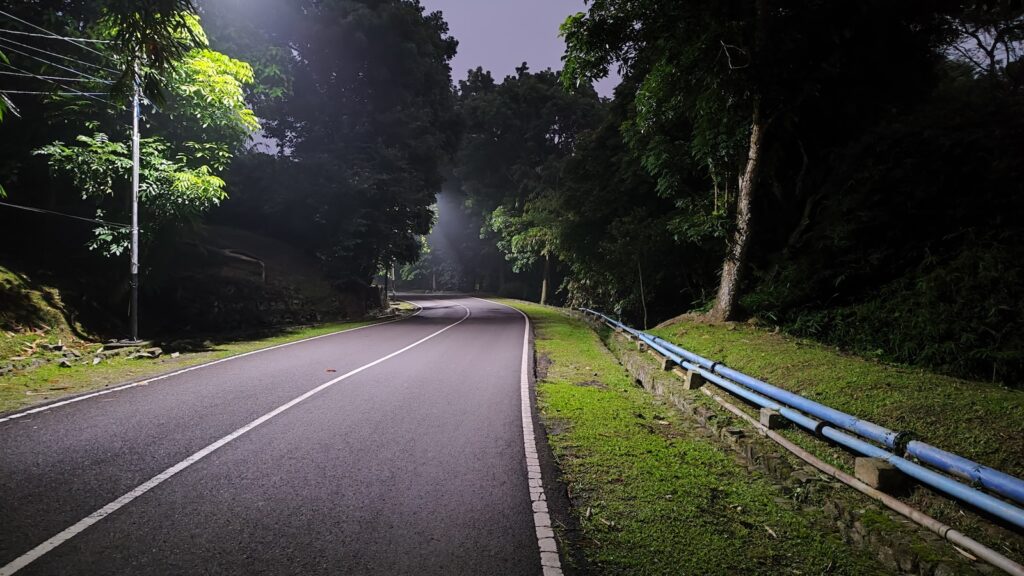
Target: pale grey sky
{"type": "Point", "coordinates": [501, 34]}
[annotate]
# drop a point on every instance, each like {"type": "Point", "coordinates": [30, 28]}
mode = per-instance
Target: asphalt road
{"type": "Point", "coordinates": [393, 449]}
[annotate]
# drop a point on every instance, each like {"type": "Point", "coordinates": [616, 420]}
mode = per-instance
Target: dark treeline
{"type": "Point", "coordinates": [363, 116]}
{"type": "Point", "coordinates": [850, 172]}
{"type": "Point", "coordinates": [352, 109]}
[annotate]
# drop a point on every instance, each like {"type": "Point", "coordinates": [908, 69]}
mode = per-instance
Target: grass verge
{"type": "Point", "coordinates": [652, 496]}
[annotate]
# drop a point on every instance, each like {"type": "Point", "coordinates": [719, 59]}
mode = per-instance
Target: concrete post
{"type": "Point", "coordinates": [771, 419]}
{"type": "Point", "coordinates": [879, 474]}
{"type": "Point", "coordinates": [691, 380]}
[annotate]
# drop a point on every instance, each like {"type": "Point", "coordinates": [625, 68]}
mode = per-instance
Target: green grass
{"type": "Point", "coordinates": [981, 421]}
{"type": "Point", "coordinates": [24, 388]}
{"type": "Point", "coordinates": [653, 496]}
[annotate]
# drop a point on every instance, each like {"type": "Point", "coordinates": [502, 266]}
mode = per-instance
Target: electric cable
{"type": "Point", "coordinates": [66, 87]}
{"type": "Point", "coordinates": [45, 61]}
{"type": "Point", "coordinates": [48, 93]}
{"type": "Point", "coordinates": [44, 51]}
{"type": "Point", "coordinates": [64, 78]}
{"type": "Point", "coordinates": [72, 216]}
{"type": "Point", "coordinates": [69, 38]}
{"type": "Point", "coordinates": [52, 35]}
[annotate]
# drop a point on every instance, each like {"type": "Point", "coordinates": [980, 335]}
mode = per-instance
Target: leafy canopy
{"type": "Point", "coordinates": [203, 122]}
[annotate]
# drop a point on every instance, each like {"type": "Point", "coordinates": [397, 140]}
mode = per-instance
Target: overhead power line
{"type": "Point", "coordinates": [21, 33]}
{"type": "Point", "coordinates": [71, 216]}
{"type": "Point", "coordinates": [53, 35]}
{"type": "Point", "coordinates": [45, 61]}
{"type": "Point", "coordinates": [51, 80]}
{"type": "Point", "coordinates": [68, 93]}
{"type": "Point", "coordinates": [42, 77]}
{"type": "Point", "coordinates": [44, 51]}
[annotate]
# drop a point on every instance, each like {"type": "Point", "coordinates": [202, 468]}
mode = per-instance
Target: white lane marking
{"type": "Point", "coordinates": [549, 561]}
{"type": "Point", "coordinates": [196, 367]}
{"type": "Point", "coordinates": [65, 535]}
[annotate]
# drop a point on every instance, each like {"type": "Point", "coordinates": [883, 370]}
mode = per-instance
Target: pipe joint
{"type": "Point", "coordinates": [900, 441]}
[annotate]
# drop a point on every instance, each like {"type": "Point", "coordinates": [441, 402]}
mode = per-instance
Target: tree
{"type": "Point", "coordinates": [151, 38]}
{"type": "Point", "coordinates": [526, 238]}
{"type": "Point", "coordinates": [364, 122]}
{"type": "Point", "coordinates": [728, 90]}
{"type": "Point", "coordinates": [516, 140]}
{"type": "Point", "coordinates": [204, 119]}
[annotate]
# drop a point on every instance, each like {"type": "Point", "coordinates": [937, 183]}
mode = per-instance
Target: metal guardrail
{"type": "Point", "coordinates": [834, 425]}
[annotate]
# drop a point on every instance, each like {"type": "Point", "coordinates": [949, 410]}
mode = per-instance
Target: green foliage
{"type": "Point", "coordinates": [151, 38]}
{"type": "Point", "coordinates": [518, 136]}
{"type": "Point", "coordinates": [523, 238]}
{"type": "Point", "coordinates": [170, 191]}
{"type": "Point", "coordinates": [862, 209]}
{"type": "Point", "coordinates": [208, 89]}
{"type": "Point", "coordinates": [204, 120]}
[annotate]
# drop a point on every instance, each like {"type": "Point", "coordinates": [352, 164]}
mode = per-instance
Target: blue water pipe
{"type": "Point", "coordinates": [784, 401]}
{"type": "Point", "coordinates": [979, 474]}
{"type": "Point", "coordinates": [873, 432]}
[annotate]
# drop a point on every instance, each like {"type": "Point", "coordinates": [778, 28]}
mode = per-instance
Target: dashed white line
{"type": "Point", "coordinates": [549, 561]}
{"type": "Point", "coordinates": [189, 369]}
{"type": "Point", "coordinates": [70, 532]}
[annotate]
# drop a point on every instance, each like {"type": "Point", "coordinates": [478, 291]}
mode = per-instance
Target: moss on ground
{"type": "Point", "coordinates": [982, 421]}
{"type": "Point", "coordinates": [651, 495]}
{"type": "Point", "coordinates": [30, 315]}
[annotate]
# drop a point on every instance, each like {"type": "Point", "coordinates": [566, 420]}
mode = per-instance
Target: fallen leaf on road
{"type": "Point", "coordinates": [331, 370]}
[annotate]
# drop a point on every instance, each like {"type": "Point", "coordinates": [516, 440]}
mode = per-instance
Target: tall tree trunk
{"type": "Point", "coordinates": [727, 299]}
{"type": "Point", "coordinates": [546, 280]}
{"type": "Point", "coordinates": [736, 258]}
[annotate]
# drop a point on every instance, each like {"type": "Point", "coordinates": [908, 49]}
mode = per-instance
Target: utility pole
{"type": "Point", "coordinates": [133, 310]}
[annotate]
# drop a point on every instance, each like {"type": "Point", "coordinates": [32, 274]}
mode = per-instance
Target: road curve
{"type": "Point", "coordinates": [394, 449]}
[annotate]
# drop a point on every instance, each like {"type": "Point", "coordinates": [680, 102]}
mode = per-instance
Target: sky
{"type": "Point", "coordinates": [499, 35]}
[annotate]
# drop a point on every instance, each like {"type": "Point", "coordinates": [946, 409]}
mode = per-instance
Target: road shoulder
{"type": "Point", "coordinates": [650, 493]}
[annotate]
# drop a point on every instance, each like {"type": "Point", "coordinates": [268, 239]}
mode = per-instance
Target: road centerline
{"type": "Point", "coordinates": [70, 532]}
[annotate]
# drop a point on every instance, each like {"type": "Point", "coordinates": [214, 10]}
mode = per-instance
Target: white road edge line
{"type": "Point", "coordinates": [46, 407]}
{"type": "Point", "coordinates": [549, 560]}
{"type": "Point", "coordinates": [68, 533]}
